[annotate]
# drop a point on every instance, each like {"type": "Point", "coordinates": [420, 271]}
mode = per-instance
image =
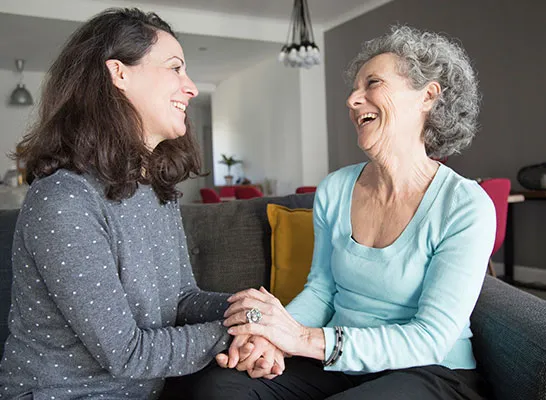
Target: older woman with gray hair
{"type": "Point", "coordinates": [401, 245]}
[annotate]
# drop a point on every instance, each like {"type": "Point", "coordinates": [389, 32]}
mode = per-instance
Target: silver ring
{"type": "Point", "coordinates": [253, 316]}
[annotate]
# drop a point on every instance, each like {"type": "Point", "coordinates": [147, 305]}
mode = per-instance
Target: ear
{"type": "Point", "coordinates": [118, 73]}
{"type": "Point", "coordinates": [432, 91]}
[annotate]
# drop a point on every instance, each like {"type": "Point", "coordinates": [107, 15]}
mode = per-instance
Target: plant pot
{"type": "Point", "coordinates": [229, 180]}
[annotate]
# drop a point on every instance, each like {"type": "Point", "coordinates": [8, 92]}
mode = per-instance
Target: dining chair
{"type": "Point", "coordinates": [498, 190]}
{"type": "Point", "coordinates": [306, 189]}
{"type": "Point", "coordinates": [247, 192]}
{"type": "Point", "coordinates": [209, 195]}
{"type": "Point", "coordinates": [227, 191]}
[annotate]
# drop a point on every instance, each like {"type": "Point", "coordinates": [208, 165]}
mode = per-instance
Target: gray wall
{"type": "Point", "coordinates": [507, 42]}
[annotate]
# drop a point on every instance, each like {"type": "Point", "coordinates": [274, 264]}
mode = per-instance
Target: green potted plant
{"type": "Point", "coordinates": [230, 162]}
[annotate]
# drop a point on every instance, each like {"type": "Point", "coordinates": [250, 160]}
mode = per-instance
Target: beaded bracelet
{"type": "Point", "coordinates": [338, 348]}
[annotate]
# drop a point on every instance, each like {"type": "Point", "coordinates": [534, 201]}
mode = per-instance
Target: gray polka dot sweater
{"type": "Point", "coordinates": [104, 302]}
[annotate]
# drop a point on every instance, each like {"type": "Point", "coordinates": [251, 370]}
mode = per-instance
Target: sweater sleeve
{"type": "Point", "coordinates": [451, 287]}
{"type": "Point", "coordinates": [314, 306]}
{"type": "Point", "coordinates": [72, 248]}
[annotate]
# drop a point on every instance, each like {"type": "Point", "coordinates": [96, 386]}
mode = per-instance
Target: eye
{"type": "Point", "coordinates": [177, 69]}
{"type": "Point", "coordinates": [372, 82]}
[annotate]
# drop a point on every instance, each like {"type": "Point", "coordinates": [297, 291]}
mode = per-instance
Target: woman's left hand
{"type": "Point", "coordinates": [276, 324]}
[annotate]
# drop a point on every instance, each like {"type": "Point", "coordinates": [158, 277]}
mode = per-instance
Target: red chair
{"type": "Point", "coordinates": [209, 196]}
{"type": "Point", "coordinates": [499, 190]}
{"type": "Point", "coordinates": [306, 189]}
{"type": "Point", "coordinates": [227, 191]}
{"type": "Point", "coordinates": [247, 192]}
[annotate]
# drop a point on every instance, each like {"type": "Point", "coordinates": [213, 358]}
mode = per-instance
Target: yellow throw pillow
{"type": "Point", "coordinates": [292, 243]}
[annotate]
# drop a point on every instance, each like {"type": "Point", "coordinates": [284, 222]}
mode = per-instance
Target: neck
{"type": "Point", "coordinates": [399, 174]}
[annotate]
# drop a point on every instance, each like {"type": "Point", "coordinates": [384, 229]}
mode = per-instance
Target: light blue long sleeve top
{"type": "Point", "coordinates": [407, 304]}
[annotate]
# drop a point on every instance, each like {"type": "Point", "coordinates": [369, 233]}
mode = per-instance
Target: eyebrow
{"type": "Point", "coordinates": [170, 58]}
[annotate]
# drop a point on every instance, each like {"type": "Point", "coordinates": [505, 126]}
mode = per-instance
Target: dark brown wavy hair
{"type": "Point", "coordinates": [87, 125]}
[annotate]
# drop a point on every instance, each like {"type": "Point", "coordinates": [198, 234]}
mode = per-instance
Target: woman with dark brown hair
{"type": "Point", "coordinates": [104, 302]}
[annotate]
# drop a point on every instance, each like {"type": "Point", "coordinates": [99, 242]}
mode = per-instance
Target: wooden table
{"type": "Point", "coordinates": [515, 197]}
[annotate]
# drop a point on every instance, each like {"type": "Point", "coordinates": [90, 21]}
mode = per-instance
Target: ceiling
{"type": "Point", "coordinates": [322, 11]}
{"type": "Point", "coordinates": [39, 40]}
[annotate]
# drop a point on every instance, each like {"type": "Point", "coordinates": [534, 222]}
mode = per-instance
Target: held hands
{"type": "Point", "coordinates": [276, 324]}
{"type": "Point", "coordinates": [255, 355]}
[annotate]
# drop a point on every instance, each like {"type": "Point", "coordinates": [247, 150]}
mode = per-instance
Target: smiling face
{"type": "Point", "coordinates": [386, 111]}
{"type": "Point", "coordinates": [159, 88]}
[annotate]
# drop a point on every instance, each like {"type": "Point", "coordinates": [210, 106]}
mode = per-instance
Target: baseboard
{"type": "Point", "coordinates": [523, 274]}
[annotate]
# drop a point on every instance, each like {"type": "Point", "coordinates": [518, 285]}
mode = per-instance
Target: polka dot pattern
{"type": "Point", "coordinates": [104, 296]}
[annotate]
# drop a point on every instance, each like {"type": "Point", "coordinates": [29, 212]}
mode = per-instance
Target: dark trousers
{"type": "Point", "coordinates": [306, 379]}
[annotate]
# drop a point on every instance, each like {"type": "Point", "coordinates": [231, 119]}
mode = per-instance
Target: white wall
{"type": "Point", "coordinates": [199, 116]}
{"type": "Point", "coordinates": [314, 133]}
{"type": "Point", "coordinates": [256, 117]}
{"type": "Point", "coordinates": [14, 120]}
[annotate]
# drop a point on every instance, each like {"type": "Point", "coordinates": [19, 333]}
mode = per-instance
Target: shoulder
{"type": "Point", "coordinates": [339, 179]}
{"type": "Point", "coordinates": [335, 191]}
{"type": "Point", "coordinates": [467, 200]}
{"type": "Point", "coordinates": [62, 191]}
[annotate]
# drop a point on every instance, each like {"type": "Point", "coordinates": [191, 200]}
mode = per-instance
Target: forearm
{"type": "Point", "coordinates": [197, 306]}
{"type": "Point", "coordinates": [313, 344]}
{"type": "Point", "coordinates": [162, 352]}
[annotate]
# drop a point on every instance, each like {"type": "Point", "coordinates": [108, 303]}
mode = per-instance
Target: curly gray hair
{"type": "Point", "coordinates": [426, 57]}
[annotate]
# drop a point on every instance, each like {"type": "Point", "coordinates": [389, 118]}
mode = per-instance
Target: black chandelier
{"type": "Point", "coordinates": [300, 49]}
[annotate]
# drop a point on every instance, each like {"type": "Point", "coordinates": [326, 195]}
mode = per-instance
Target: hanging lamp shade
{"type": "Point", "coordinates": [300, 49]}
{"type": "Point", "coordinates": [20, 95]}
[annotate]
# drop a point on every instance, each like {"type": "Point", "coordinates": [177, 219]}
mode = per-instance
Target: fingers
{"type": "Point", "coordinates": [249, 363]}
{"type": "Point", "coordinates": [248, 354]}
{"type": "Point", "coordinates": [246, 351]}
{"type": "Point", "coordinates": [240, 319]}
{"type": "Point", "coordinates": [265, 292]}
{"type": "Point", "coordinates": [222, 360]}
{"type": "Point", "coordinates": [279, 360]}
{"type": "Point", "coordinates": [250, 293]}
{"type": "Point", "coordinates": [234, 348]}
{"type": "Point", "coordinates": [245, 305]}
{"type": "Point", "coordinates": [262, 368]}
{"type": "Point", "coordinates": [248, 329]}
{"type": "Point", "coordinates": [277, 370]}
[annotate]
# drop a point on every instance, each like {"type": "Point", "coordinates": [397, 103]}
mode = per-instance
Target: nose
{"type": "Point", "coordinates": [355, 99]}
{"type": "Point", "coordinates": [189, 88]}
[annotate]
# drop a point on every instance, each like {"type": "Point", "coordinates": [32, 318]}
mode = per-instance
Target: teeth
{"type": "Point", "coordinates": [363, 117]}
{"type": "Point", "coordinates": [179, 105]}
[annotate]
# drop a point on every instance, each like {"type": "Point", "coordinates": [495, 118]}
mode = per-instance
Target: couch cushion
{"type": "Point", "coordinates": [8, 218]}
{"type": "Point", "coordinates": [229, 243]}
{"type": "Point", "coordinates": [291, 250]}
{"type": "Point", "coordinates": [509, 342]}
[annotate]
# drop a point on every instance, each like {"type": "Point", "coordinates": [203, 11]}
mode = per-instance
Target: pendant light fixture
{"type": "Point", "coordinates": [300, 49]}
{"type": "Point", "coordinates": [20, 95]}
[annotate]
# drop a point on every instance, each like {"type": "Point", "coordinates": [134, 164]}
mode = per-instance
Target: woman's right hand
{"type": "Point", "coordinates": [253, 354]}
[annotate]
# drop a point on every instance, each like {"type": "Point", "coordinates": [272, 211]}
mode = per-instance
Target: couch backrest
{"type": "Point", "coordinates": [230, 243]}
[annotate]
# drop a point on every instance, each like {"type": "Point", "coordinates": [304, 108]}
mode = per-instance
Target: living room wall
{"type": "Point", "coordinates": [505, 40]}
{"type": "Point", "coordinates": [199, 117]}
{"type": "Point", "coordinates": [256, 118]}
{"type": "Point", "coordinates": [15, 120]}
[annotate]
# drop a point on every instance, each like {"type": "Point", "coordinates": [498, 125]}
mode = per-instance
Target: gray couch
{"type": "Point", "coordinates": [229, 245]}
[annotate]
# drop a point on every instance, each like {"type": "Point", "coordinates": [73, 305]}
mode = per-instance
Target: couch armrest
{"type": "Point", "coordinates": [509, 327]}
